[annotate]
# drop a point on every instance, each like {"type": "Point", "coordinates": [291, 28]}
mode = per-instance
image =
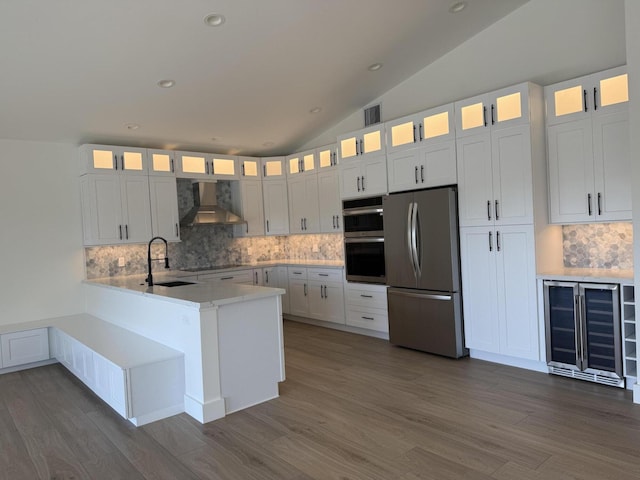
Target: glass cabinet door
{"type": "Point", "coordinates": [327, 156]}
{"type": "Point", "coordinates": [192, 165]}
{"type": "Point", "coordinates": [161, 162]}
{"type": "Point", "coordinates": [273, 167]}
{"type": "Point", "coordinates": [250, 168]}
{"type": "Point", "coordinates": [106, 158]}
{"type": "Point", "coordinates": [601, 328]}
{"type": "Point", "coordinates": [561, 323]}
{"type": "Point", "coordinates": [224, 167]}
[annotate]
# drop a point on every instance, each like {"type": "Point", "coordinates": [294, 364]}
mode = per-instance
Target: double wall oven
{"type": "Point", "coordinates": [364, 240]}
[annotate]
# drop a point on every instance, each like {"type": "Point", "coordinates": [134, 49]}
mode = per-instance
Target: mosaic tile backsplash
{"type": "Point", "coordinates": [598, 245]}
{"type": "Point", "coordinates": [211, 245]}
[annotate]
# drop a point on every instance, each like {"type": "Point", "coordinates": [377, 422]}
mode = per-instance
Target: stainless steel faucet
{"type": "Point", "coordinates": [166, 258]}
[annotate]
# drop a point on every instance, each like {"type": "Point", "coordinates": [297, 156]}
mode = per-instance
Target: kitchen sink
{"type": "Point", "coordinates": [174, 283]}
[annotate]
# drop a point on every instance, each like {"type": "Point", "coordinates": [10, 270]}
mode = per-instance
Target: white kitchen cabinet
{"type": "Point", "coordinates": [245, 276]}
{"type": "Point", "coordinates": [273, 168]}
{"type": "Point", "coordinates": [276, 277]}
{"type": "Point", "coordinates": [327, 157]}
{"type": "Point", "coordinates": [326, 295]}
{"type": "Point", "coordinates": [495, 164]}
{"type": "Point", "coordinates": [301, 163]}
{"type": "Point", "coordinates": [330, 206]}
{"type": "Point", "coordinates": [276, 207]}
{"type": "Point", "coordinates": [499, 285]}
{"type": "Point", "coordinates": [161, 162]}
{"type": "Point", "coordinates": [432, 164]}
{"type": "Point", "coordinates": [363, 163]}
{"type": "Point", "coordinates": [112, 159]}
{"type": "Point", "coordinates": [207, 166]}
{"type": "Point", "coordinates": [589, 149]}
{"type": "Point", "coordinates": [298, 291]}
{"type": "Point", "coordinates": [366, 306]}
{"type": "Point", "coordinates": [435, 124]}
{"type": "Point", "coordinates": [20, 348]}
{"type": "Point", "coordinates": [250, 168]}
{"type": "Point", "coordinates": [499, 109]}
{"type": "Point", "coordinates": [246, 199]}
{"type": "Point", "coordinates": [115, 209]}
{"type": "Point", "coordinates": [304, 213]}
{"type": "Point", "coordinates": [165, 221]}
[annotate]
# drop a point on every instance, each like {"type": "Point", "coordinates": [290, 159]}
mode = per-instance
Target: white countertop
{"type": "Point", "coordinates": [201, 295]}
{"type": "Point", "coordinates": [624, 277]}
{"type": "Point", "coordinates": [339, 264]}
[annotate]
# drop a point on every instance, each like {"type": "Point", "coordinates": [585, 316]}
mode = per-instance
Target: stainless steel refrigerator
{"type": "Point", "coordinates": [422, 259]}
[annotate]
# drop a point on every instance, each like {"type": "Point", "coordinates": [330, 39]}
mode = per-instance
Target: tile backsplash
{"type": "Point", "coordinates": [598, 245]}
{"type": "Point", "coordinates": [211, 245]}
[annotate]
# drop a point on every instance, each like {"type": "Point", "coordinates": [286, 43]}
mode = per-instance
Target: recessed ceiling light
{"type": "Point", "coordinates": [457, 7]}
{"type": "Point", "coordinates": [166, 83]}
{"type": "Point", "coordinates": [268, 144]}
{"type": "Point", "coordinates": [315, 110]}
{"type": "Point", "coordinates": [214, 20]}
{"type": "Point", "coordinates": [132, 126]}
{"type": "Point", "coordinates": [374, 67]}
{"type": "Point", "coordinates": [214, 139]}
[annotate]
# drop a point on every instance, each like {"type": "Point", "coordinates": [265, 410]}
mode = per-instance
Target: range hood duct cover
{"type": "Point", "coordinates": [206, 210]}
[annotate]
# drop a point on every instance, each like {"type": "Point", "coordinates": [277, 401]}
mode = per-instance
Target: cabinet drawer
{"type": "Point", "coordinates": [325, 274]}
{"type": "Point", "coordinates": [238, 276]}
{"type": "Point", "coordinates": [370, 319]}
{"type": "Point", "coordinates": [358, 297]}
{"type": "Point", "coordinates": [19, 348]}
{"type": "Point", "coordinates": [297, 272]}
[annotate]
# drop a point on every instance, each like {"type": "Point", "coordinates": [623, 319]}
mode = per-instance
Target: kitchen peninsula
{"type": "Point", "coordinates": [231, 336]}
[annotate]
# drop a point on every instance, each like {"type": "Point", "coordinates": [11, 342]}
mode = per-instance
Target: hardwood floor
{"type": "Point", "coordinates": [352, 407]}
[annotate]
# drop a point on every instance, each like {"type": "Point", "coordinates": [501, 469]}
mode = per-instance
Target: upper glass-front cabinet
{"type": "Point", "coordinates": [434, 124]}
{"type": "Point", "coordinates": [161, 162]}
{"type": "Point", "coordinates": [109, 158]}
{"type": "Point", "coordinates": [369, 140]}
{"type": "Point", "coordinates": [327, 156]}
{"type": "Point", "coordinates": [250, 168]}
{"type": "Point", "coordinates": [207, 166]}
{"type": "Point", "coordinates": [303, 162]}
{"type": "Point", "coordinates": [273, 167]}
{"type": "Point", "coordinates": [600, 92]}
{"type": "Point", "coordinates": [506, 107]}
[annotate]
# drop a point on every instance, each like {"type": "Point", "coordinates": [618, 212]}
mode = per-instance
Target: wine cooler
{"type": "Point", "coordinates": [583, 331]}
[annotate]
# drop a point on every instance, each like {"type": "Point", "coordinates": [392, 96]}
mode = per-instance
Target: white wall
{"type": "Point", "coordinates": [545, 41]}
{"type": "Point", "coordinates": [41, 254]}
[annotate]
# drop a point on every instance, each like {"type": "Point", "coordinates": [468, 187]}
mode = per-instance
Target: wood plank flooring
{"type": "Point", "coordinates": [352, 407]}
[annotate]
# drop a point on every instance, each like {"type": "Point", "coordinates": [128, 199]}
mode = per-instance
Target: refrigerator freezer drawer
{"type": "Point", "coordinates": [426, 321]}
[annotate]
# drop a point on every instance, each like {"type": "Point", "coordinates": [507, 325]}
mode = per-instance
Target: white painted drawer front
{"type": "Point", "coordinates": [325, 274]}
{"type": "Point", "coordinates": [370, 319]}
{"type": "Point", "coordinates": [297, 272]}
{"type": "Point", "coordinates": [19, 348]}
{"type": "Point", "coordinates": [367, 298]}
{"type": "Point", "coordinates": [237, 276]}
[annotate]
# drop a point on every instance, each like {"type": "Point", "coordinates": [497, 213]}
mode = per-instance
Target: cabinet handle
{"type": "Point", "coordinates": [337, 221]}
{"type": "Point", "coordinates": [414, 134]}
{"type": "Point", "coordinates": [266, 276]}
{"type": "Point", "coordinates": [498, 240]}
{"type": "Point", "coordinates": [493, 120]}
{"type": "Point", "coordinates": [255, 274]}
{"type": "Point", "coordinates": [366, 296]}
{"type": "Point", "coordinates": [420, 134]}
{"type": "Point", "coordinates": [247, 227]}
{"type": "Point", "coordinates": [490, 242]}
{"type": "Point", "coordinates": [264, 171]}
{"type": "Point", "coordinates": [416, 173]}
{"type": "Point", "coordinates": [305, 223]}
{"type": "Point", "coordinates": [305, 289]}
{"type": "Point", "coordinates": [422, 173]}
{"type": "Point", "coordinates": [243, 170]}
{"type": "Point", "coordinates": [172, 167]}
{"type": "Point", "coordinates": [361, 148]}
{"type": "Point", "coordinates": [115, 161]}
{"type": "Point", "coordinates": [484, 115]}
{"type": "Point", "coordinates": [122, 162]}
{"type": "Point", "coordinates": [323, 274]}
{"type": "Point", "coordinates": [584, 95]}
{"type": "Point", "coordinates": [321, 292]}
{"type": "Point", "coordinates": [213, 172]}
{"type": "Point", "coordinates": [126, 231]}
{"type": "Point", "coordinates": [577, 320]}
{"type": "Point", "coordinates": [358, 182]}
{"type": "Point", "coordinates": [206, 167]}
{"type": "Point", "coordinates": [301, 224]}
{"type": "Point", "coordinates": [120, 228]}
{"type": "Point", "coordinates": [177, 230]}
{"type": "Point", "coordinates": [226, 278]}
{"type": "Point", "coordinates": [589, 203]}
{"type": "Point", "coordinates": [489, 210]}
{"type": "Point", "coordinates": [325, 292]}
{"type": "Point", "coordinates": [267, 226]}
{"type": "Point", "coordinates": [496, 210]}
{"type": "Point", "coordinates": [599, 203]}
{"type": "Point", "coordinates": [367, 318]}
{"type": "Point", "coordinates": [595, 98]}
{"type": "Point", "coordinates": [363, 189]}
{"type": "Point", "coordinates": [333, 220]}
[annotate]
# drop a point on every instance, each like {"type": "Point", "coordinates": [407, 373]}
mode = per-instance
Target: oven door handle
{"type": "Point", "coordinates": [363, 239]}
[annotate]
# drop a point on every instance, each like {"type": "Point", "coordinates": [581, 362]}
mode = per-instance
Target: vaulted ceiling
{"type": "Point", "coordinates": [88, 70]}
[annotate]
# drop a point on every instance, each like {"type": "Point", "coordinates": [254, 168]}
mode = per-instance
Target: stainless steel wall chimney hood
{"type": "Point", "coordinates": [206, 210]}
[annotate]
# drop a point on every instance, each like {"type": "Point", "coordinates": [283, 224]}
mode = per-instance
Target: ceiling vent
{"type": "Point", "coordinates": [372, 115]}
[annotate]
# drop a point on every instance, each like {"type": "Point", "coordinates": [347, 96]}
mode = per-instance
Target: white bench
{"type": "Point", "coordinates": [139, 378]}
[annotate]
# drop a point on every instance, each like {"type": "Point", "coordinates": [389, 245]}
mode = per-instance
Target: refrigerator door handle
{"type": "Point", "coordinates": [417, 257]}
{"type": "Point", "coordinates": [410, 237]}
